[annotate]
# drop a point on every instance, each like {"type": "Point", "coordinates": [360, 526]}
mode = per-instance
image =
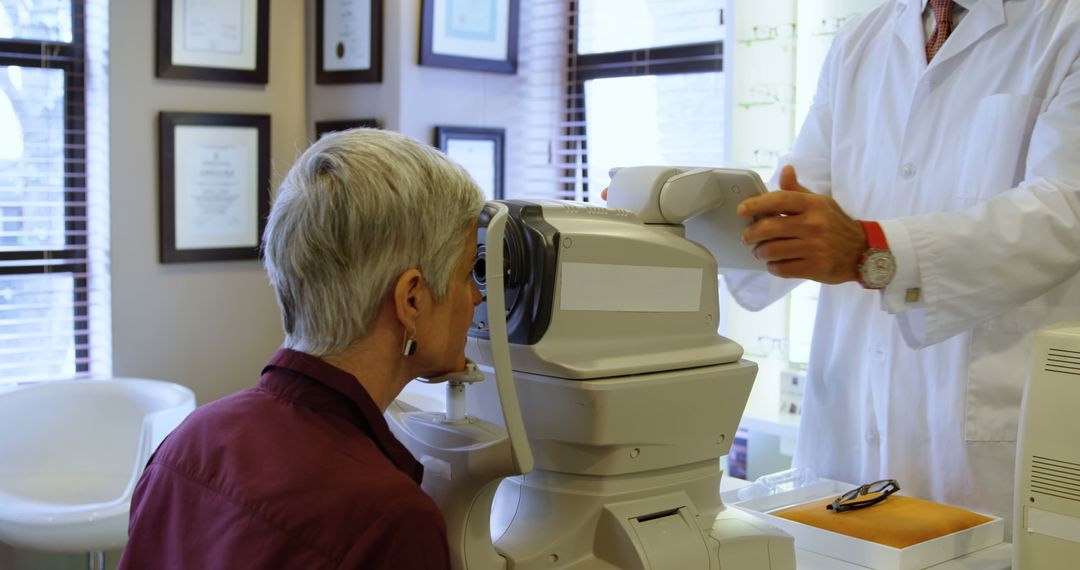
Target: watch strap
{"type": "Point", "coordinates": [875, 236]}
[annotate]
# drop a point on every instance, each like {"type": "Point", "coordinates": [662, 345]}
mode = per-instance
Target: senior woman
{"type": "Point", "coordinates": [370, 247]}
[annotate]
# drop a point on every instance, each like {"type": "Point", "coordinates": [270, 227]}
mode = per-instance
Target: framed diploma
{"type": "Point", "coordinates": [217, 40]}
{"type": "Point", "coordinates": [215, 185]}
{"type": "Point", "coordinates": [323, 127]}
{"type": "Point", "coordinates": [479, 151]}
{"type": "Point", "coordinates": [480, 35]}
{"type": "Point", "coordinates": [348, 41]}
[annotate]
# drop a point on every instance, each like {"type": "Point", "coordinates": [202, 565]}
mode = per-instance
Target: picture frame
{"type": "Point", "coordinates": [481, 151]}
{"type": "Point", "coordinates": [348, 41]}
{"type": "Point", "coordinates": [213, 41]}
{"type": "Point", "coordinates": [478, 35]}
{"type": "Point", "coordinates": [323, 127]}
{"type": "Point", "coordinates": [214, 185]}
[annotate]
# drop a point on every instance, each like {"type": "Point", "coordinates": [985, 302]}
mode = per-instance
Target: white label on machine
{"type": "Point", "coordinates": [1052, 524]}
{"type": "Point", "coordinates": [633, 288]}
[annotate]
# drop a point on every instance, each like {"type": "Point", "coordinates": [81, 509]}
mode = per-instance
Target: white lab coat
{"type": "Point", "coordinates": [974, 164]}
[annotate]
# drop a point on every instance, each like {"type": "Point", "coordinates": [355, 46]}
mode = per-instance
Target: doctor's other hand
{"type": "Point", "coordinates": [802, 234]}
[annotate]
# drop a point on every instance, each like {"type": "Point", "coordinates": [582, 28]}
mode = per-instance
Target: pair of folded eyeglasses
{"type": "Point", "coordinates": [867, 495]}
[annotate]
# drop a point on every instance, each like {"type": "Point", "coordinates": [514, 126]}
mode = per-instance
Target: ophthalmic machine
{"type": "Point", "coordinates": [602, 397]}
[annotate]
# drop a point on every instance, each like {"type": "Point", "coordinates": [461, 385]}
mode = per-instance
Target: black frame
{"type": "Point", "coordinates": [165, 67]}
{"type": "Point", "coordinates": [323, 127]}
{"type": "Point", "coordinates": [167, 123]}
{"type": "Point", "coordinates": [849, 500]}
{"type": "Point", "coordinates": [686, 58]}
{"type": "Point", "coordinates": [71, 58]}
{"type": "Point", "coordinates": [370, 75]}
{"type": "Point", "coordinates": [430, 58]}
{"type": "Point", "coordinates": [443, 134]}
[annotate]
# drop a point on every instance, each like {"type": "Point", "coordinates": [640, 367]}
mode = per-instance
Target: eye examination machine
{"type": "Point", "coordinates": [589, 431]}
{"type": "Point", "coordinates": [1046, 522]}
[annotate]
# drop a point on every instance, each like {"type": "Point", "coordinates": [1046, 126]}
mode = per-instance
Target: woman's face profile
{"type": "Point", "coordinates": [451, 318]}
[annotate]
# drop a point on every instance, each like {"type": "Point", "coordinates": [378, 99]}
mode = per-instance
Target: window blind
{"type": "Point", "coordinates": [541, 67]}
{"type": "Point", "coordinates": [54, 287]}
{"type": "Point", "coordinates": [619, 82]}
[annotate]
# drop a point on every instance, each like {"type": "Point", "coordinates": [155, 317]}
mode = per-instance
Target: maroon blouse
{"type": "Point", "coordinates": [299, 472]}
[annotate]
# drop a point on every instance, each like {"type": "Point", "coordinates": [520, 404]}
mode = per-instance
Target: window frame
{"type": "Point", "coordinates": [71, 58]}
{"type": "Point", "coordinates": [702, 57]}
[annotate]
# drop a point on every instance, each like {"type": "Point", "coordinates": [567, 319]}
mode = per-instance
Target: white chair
{"type": "Point", "coordinates": [70, 455]}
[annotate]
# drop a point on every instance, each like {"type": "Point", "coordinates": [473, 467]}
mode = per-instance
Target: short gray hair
{"type": "Point", "coordinates": [357, 209]}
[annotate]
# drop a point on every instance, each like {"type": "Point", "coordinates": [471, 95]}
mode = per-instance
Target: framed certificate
{"type": "Point", "coordinates": [479, 151]}
{"type": "Point", "coordinates": [217, 40]}
{"type": "Point", "coordinates": [215, 185]}
{"type": "Point", "coordinates": [348, 41]}
{"type": "Point", "coordinates": [480, 35]}
{"type": "Point", "coordinates": [323, 127]}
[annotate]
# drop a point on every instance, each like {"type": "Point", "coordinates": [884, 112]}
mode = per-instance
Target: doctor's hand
{"type": "Point", "coordinates": [802, 234]}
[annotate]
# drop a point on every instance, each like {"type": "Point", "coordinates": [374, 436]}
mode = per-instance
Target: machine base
{"type": "Point", "coordinates": [656, 520]}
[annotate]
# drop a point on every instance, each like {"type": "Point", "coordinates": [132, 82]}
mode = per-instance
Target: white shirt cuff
{"type": "Point", "coordinates": [905, 290]}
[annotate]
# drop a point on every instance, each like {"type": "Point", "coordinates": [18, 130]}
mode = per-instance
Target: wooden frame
{"type": "Point", "coordinates": [483, 40]}
{"type": "Point", "coordinates": [335, 16]}
{"type": "Point", "coordinates": [323, 127]}
{"type": "Point", "coordinates": [214, 182]}
{"type": "Point", "coordinates": [215, 41]}
{"type": "Point", "coordinates": [484, 162]}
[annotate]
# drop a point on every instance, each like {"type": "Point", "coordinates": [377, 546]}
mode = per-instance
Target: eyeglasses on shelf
{"type": "Point", "coordinates": [774, 32]}
{"type": "Point", "coordinates": [766, 345]}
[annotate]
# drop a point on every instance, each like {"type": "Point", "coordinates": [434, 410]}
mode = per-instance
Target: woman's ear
{"type": "Point", "coordinates": [410, 297]}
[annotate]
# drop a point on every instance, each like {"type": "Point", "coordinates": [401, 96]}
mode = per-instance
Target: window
{"type": "Point", "coordinates": [648, 83]}
{"type": "Point", "coordinates": [53, 219]}
{"type": "Point", "coordinates": [646, 86]}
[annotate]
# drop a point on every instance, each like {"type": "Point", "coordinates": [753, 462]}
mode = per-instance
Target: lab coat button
{"type": "Point", "coordinates": [871, 437]}
{"type": "Point", "coordinates": [907, 171]}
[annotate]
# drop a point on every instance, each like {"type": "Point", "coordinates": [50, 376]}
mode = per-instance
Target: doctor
{"type": "Point", "coordinates": [936, 186]}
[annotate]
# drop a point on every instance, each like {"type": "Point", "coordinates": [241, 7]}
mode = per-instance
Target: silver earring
{"type": "Point", "coordinates": [409, 348]}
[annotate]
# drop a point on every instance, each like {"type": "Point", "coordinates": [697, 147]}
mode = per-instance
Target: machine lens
{"type": "Point", "coordinates": [479, 271]}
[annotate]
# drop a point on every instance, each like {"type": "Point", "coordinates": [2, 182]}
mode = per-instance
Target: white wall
{"type": "Point", "coordinates": [437, 96]}
{"type": "Point", "coordinates": [359, 100]}
{"type": "Point", "coordinates": [209, 326]}
{"type": "Point", "coordinates": [412, 99]}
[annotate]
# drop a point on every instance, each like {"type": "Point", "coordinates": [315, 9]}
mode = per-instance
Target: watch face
{"type": "Point", "coordinates": [877, 268]}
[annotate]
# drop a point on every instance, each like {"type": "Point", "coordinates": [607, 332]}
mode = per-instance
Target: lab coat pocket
{"type": "Point", "coordinates": [995, 152]}
{"type": "Point", "coordinates": [998, 365]}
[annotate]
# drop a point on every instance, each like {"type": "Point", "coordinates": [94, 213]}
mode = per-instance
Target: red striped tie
{"type": "Point", "coordinates": [943, 17]}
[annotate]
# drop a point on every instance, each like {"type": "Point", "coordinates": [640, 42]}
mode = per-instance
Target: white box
{"type": "Point", "coordinates": [863, 552]}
